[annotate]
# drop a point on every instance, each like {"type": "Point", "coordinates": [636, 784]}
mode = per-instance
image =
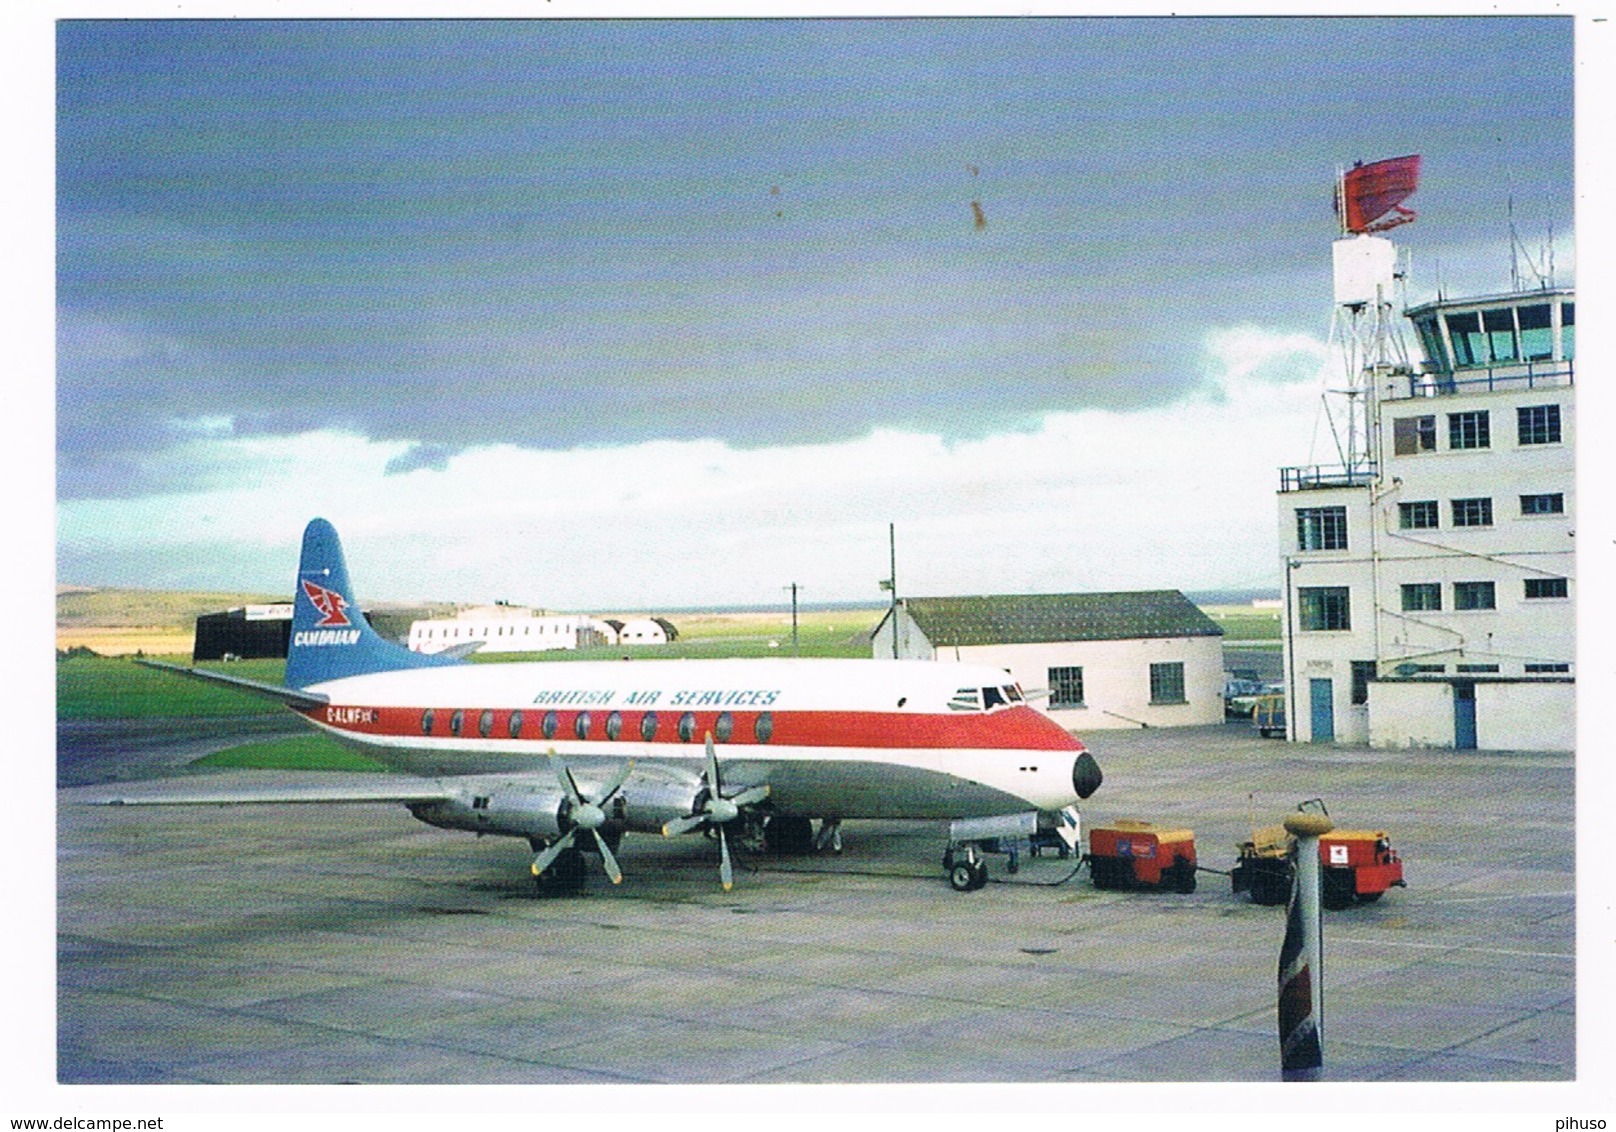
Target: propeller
{"type": "Point", "coordinates": [717, 811]}
{"type": "Point", "coordinates": [584, 815]}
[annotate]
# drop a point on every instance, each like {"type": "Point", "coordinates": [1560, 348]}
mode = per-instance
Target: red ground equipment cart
{"type": "Point", "coordinates": [1137, 854]}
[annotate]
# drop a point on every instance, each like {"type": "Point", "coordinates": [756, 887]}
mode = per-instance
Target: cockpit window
{"type": "Point", "coordinates": [1012, 693]}
{"type": "Point", "coordinates": [966, 699]}
{"type": "Point", "coordinates": [992, 698]}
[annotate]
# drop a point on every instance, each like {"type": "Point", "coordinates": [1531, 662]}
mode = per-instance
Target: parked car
{"type": "Point", "coordinates": [1239, 696]}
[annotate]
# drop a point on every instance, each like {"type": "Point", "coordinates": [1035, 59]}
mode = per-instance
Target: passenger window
{"type": "Point", "coordinates": [455, 722]}
{"type": "Point", "coordinates": [485, 724]}
{"type": "Point", "coordinates": [515, 725]}
{"type": "Point", "coordinates": [648, 726]}
{"type": "Point", "coordinates": [724, 728]}
{"type": "Point", "coordinates": [580, 726]}
{"type": "Point", "coordinates": [614, 725]}
{"type": "Point", "coordinates": [687, 727]}
{"type": "Point", "coordinates": [426, 721]}
{"type": "Point", "coordinates": [551, 724]}
{"type": "Point", "coordinates": [764, 727]}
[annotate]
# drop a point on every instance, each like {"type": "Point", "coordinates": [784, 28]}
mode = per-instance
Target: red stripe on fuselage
{"type": "Point", "coordinates": [1016, 728]}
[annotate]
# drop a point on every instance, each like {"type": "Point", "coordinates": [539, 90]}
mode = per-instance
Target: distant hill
{"type": "Point", "coordinates": [159, 609]}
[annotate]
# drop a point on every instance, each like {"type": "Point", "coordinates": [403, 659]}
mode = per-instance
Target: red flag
{"type": "Point", "coordinates": [1369, 192]}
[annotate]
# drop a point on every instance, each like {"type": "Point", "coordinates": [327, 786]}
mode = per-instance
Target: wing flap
{"type": "Point", "coordinates": [397, 789]}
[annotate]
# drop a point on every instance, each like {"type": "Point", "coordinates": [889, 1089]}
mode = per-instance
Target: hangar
{"type": "Point", "coordinates": [1131, 659]}
{"type": "Point", "coordinates": [245, 633]}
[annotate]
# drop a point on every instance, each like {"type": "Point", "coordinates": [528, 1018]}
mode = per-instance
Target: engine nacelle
{"type": "Point", "coordinates": [510, 810]}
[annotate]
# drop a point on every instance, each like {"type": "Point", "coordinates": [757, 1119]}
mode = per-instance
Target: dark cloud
{"type": "Point", "coordinates": [434, 457]}
{"type": "Point", "coordinates": [461, 234]}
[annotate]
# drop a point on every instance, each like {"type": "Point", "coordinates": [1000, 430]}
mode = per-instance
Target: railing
{"type": "Point", "coordinates": [1312, 477]}
{"type": "Point", "coordinates": [1485, 379]}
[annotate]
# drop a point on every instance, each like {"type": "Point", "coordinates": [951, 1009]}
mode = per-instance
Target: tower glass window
{"type": "Point", "coordinates": [1500, 327]}
{"type": "Point", "coordinates": [1469, 344]}
{"type": "Point", "coordinates": [1537, 333]}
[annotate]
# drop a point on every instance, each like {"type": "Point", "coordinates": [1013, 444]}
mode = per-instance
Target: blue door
{"type": "Point", "coordinates": [1323, 694]}
{"type": "Point", "coordinates": [1464, 716]}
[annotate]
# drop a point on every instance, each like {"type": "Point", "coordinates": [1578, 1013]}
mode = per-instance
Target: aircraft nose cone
{"type": "Point", "coordinates": [1086, 776]}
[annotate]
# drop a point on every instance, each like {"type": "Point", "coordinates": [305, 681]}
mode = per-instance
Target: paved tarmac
{"type": "Point", "coordinates": [322, 944]}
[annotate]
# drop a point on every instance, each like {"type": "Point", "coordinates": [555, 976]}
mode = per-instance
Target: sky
{"type": "Point", "coordinates": [641, 313]}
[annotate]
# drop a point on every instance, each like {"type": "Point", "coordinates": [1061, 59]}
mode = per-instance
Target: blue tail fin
{"type": "Point", "coordinates": [330, 637]}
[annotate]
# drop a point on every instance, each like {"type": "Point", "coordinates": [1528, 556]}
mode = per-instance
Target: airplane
{"type": "Point", "coordinates": [573, 754]}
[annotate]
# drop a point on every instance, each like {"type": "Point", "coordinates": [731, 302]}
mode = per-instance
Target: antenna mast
{"type": "Point", "coordinates": [1368, 201]}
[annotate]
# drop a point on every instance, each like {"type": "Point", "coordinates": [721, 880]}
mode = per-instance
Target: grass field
{"type": "Point", "coordinates": [1244, 623]}
{"type": "Point", "coordinates": [304, 752]}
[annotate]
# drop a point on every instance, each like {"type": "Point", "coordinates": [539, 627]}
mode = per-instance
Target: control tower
{"type": "Point", "coordinates": [1430, 575]}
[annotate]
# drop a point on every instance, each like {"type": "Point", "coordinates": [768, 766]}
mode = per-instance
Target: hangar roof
{"type": "Point", "coordinates": [1005, 619]}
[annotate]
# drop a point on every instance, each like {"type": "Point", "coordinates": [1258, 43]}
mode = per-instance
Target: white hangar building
{"type": "Point", "coordinates": [1144, 659]}
{"type": "Point", "coordinates": [510, 628]}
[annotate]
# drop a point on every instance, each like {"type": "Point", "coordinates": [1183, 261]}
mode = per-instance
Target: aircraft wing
{"type": "Point", "coordinates": [241, 791]}
{"type": "Point", "coordinates": [293, 697]}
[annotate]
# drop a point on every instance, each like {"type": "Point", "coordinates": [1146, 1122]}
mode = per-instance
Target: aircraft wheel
{"type": "Point", "coordinates": [962, 877]}
{"type": "Point", "coordinates": [565, 876]}
{"type": "Point", "coordinates": [981, 874]}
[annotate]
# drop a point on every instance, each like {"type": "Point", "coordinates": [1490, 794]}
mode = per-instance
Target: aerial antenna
{"type": "Point", "coordinates": [1368, 282]}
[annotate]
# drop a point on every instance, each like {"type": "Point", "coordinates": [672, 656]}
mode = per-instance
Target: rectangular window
{"type": "Point", "coordinates": [1538, 424]}
{"type": "Point", "coordinates": [1325, 607]}
{"type": "Point", "coordinates": [1464, 331]}
{"type": "Point", "coordinates": [1474, 595]}
{"type": "Point", "coordinates": [1167, 683]}
{"type": "Point", "coordinates": [1548, 668]}
{"type": "Point", "coordinates": [1422, 596]}
{"type": "Point", "coordinates": [1420, 516]}
{"type": "Point", "coordinates": [1500, 328]}
{"type": "Point", "coordinates": [1537, 333]}
{"type": "Point", "coordinates": [1066, 687]}
{"type": "Point", "coordinates": [1413, 434]}
{"type": "Point", "coordinates": [1321, 528]}
{"type": "Point", "coordinates": [1472, 512]}
{"type": "Point", "coordinates": [1469, 430]}
{"type": "Point", "coordinates": [1552, 503]}
{"type": "Point", "coordinates": [1363, 671]}
{"type": "Point", "coordinates": [1478, 668]}
{"type": "Point", "coordinates": [1546, 587]}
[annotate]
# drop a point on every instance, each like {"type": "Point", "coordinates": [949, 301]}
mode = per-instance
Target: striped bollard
{"type": "Point", "coordinates": [1301, 968]}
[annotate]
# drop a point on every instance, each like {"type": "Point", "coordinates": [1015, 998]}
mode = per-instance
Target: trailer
{"type": "Point", "coordinates": [1138, 854]}
{"type": "Point", "coordinates": [1357, 866]}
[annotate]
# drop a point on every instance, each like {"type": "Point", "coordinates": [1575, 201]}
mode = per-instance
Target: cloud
{"type": "Point", "coordinates": [432, 456]}
{"type": "Point", "coordinates": [1178, 496]}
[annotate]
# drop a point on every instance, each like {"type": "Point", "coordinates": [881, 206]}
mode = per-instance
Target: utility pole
{"type": "Point", "coordinates": [793, 588]}
{"type": "Point", "coordinates": [890, 583]}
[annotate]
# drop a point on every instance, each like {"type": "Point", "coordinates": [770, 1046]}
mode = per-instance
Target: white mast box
{"type": "Point", "coordinates": [1364, 269]}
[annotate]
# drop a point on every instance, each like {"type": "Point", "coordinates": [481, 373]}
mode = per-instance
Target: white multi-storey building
{"type": "Point", "coordinates": [1430, 589]}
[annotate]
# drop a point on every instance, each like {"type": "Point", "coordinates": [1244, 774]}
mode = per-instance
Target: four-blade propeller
{"type": "Point", "coordinates": [715, 811]}
{"type": "Point", "coordinates": [584, 814]}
